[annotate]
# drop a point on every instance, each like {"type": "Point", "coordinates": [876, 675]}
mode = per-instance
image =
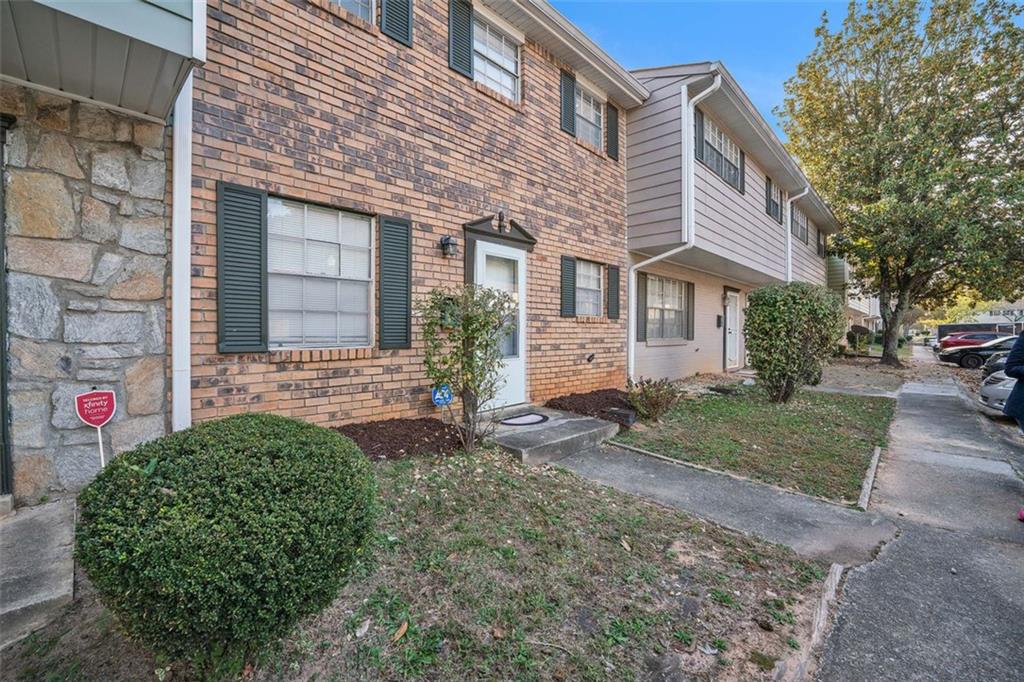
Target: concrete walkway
{"type": "Point", "coordinates": [945, 600]}
{"type": "Point", "coordinates": [812, 527]}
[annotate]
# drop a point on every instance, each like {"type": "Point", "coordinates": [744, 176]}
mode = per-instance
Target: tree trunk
{"type": "Point", "coordinates": [892, 320]}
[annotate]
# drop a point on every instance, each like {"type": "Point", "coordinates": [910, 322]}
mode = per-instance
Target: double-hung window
{"type": "Point", "coordinates": [589, 114]}
{"type": "Point", "coordinates": [799, 227]}
{"type": "Point", "coordinates": [361, 8]}
{"type": "Point", "coordinates": [588, 288]}
{"type": "Point", "coordinates": [666, 308]}
{"type": "Point", "coordinates": [773, 199]}
{"type": "Point", "coordinates": [320, 274]}
{"type": "Point", "coordinates": [495, 59]}
{"type": "Point", "coordinates": [721, 154]}
{"type": "Point", "coordinates": [822, 243]}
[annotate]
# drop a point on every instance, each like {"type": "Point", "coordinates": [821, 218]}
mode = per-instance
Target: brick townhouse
{"type": "Point", "coordinates": [350, 156]}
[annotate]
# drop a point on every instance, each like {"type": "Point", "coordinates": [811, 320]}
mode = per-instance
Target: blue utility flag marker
{"type": "Point", "coordinates": [441, 395]}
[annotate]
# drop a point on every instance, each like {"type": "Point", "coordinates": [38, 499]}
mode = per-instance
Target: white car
{"type": "Point", "coordinates": [994, 392]}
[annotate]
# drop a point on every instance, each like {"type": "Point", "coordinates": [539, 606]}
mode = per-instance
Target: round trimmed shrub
{"type": "Point", "coordinates": [790, 331]}
{"type": "Point", "coordinates": [211, 542]}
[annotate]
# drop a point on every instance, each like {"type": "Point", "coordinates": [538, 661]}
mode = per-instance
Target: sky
{"type": "Point", "coordinates": [759, 41]}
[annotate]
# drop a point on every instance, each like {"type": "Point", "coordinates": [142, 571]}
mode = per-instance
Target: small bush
{"type": "Point", "coordinates": [651, 398]}
{"type": "Point", "coordinates": [212, 542]}
{"type": "Point", "coordinates": [791, 330]}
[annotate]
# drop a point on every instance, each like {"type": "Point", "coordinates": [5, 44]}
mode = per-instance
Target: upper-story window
{"type": "Point", "coordinates": [822, 243]}
{"type": "Point", "coordinates": [719, 152]}
{"type": "Point", "coordinates": [495, 59]}
{"type": "Point", "coordinates": [361, 8]}
{"type": "Point", "coordinates": [799, 224]}
{"type": "Point", "coordinates": [320, 274]}
{"type": "Point", "coordinates": [588, 288]}
{"type": "Point", "coordinates": [773, 200]}
{"type": "Point", "coordinates": [589, 111]}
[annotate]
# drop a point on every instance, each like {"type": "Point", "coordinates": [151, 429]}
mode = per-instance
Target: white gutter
{"type": "Point", "coordinates": [181, 265]}
{"type": "Point", "coordinates": [788, 223]}
{"type": "Point", "coordinates": [689, 222]}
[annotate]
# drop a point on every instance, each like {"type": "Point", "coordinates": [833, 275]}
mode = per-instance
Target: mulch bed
{"type": "Point", "coordinates": [401, 438]}
{"type": "Point", "coordinates": [593, 404]}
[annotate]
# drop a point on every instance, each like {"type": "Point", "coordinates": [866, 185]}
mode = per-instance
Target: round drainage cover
{"type": "Point", "coordinates": [525, 419]}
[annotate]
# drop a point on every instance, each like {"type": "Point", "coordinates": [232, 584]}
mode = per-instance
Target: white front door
{"type": "Point", "coordinates": [504, 268]}
{"type": "Point", "coordinates": [732, 330]}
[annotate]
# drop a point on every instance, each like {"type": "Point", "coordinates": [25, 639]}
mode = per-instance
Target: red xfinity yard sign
{"type": "Point", "coordinates": [95, 408]}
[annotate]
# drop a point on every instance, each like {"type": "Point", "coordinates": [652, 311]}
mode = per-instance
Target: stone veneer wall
{"type": "Point", "coordinates": [87, 256]}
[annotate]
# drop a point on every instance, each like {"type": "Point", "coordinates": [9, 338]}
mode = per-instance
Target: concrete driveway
{"type": "Point", "coordinates": [945, 599]}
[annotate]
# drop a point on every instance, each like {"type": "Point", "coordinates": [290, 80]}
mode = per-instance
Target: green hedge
{"type": "Point", "coordinates": [209, 543]}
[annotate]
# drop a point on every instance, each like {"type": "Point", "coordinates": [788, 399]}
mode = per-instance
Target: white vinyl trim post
{"type": "Point", "coordinates": [689, 231]}
{"type": "Point", "coordinates": [788, 224]}
{"type": "Point", "coordinates": [181, 265]}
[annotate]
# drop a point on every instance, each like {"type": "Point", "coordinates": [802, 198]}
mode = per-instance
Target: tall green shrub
{"type": "Point", "coordinates": [214, 541]}
{"type": "Point", "coordinates": [790, 331]}
{"type": "Point", "coordinates": [463, 331]}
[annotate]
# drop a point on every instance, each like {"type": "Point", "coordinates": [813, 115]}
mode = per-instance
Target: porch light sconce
{"type": "Point", "coordinates": [449, 246]}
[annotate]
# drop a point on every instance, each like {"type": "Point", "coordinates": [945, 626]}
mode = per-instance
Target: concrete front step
{"type": "Point", "coordinates": [563, 434]}
{"type": "Point", "coordinates": [36, 567]}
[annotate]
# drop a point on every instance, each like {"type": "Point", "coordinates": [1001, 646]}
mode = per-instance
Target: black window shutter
{"type": "Point", "coordinates": [241, 269]}
{"type": "Point", "coordinates": [460, 36]}
{"type": "Point", "coordinates": [613, 292]}
{"type": "Point", "coordinates": [698, 127]}
{"type": "Point", "coordinates": [689, 310]}
{"type": "Point", "coordinates": [743, 173]}
{"type": "Point", "coordinates": [395, 283]}
{"type": "Point", "coordinates": [568, 286]}
{"type": "Point", "coordinates": [568, 113]}
{"type": "Point", "coordinates": [396, 20]}
{"type": "Point", "coordinates": [612, 142]}
{"type": "Point", "coordinates": [768, 197]}
{"type": "Point", "coordinates": [641, 307]}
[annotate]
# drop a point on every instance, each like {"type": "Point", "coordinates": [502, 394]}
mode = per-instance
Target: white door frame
{"type": "Point", "coordinates": [514, 391]}
{"type": "Point", "coordinates": [732, 330]}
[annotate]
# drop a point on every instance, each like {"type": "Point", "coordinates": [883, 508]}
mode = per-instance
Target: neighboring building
{"type": "Point", "coordinates": [858, 309]}
{"type": "Point", "coordinates": [1003, 314]}
{"type": "Point", "coordinates": [716, 208]}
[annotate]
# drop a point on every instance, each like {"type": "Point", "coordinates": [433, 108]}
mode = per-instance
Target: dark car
{"type": "Point", "coordinates": [995, 363]}
{"type": "Point", "coordinates": [973, 357]}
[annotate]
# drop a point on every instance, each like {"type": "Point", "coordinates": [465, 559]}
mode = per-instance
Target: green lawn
{"type": "Point", "coordinates": [483, 569]}
{"type": "Point", "coordinates": [818, 443]}
{"type": "Point", "coordinates": [904, 353]}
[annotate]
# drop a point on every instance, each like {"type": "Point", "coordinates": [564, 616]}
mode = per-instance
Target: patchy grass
{"type": "Point", "coordinates": [484, 569]}
{"type": "Point", "coordinates": [818, 443]}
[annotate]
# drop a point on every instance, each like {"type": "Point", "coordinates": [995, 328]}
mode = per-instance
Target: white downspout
{"type": "Point", "coordinates": [788, 222]}
{"type": "Point", "coordinates": [689, 222]}
{"type": "Point", "coordinates": [181, 265]}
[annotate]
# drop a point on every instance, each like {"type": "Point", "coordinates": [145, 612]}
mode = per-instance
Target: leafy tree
{"type": "Point", "coordinates": [910, 125]}
{"type": "Point", "coordinates": [965, 307]}
{"type": "Point", "coordinates": [791, 329]}
{"type": "Point", "coordinates": [463, 331]}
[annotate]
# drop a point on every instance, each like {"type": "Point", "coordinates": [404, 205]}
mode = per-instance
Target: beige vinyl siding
{"type": "Point", "coordinates": [735, 225]}
{"type": "Point", "coordinates": [654, 166]}
{"type": "Point", "coordinates": [808, 266]}
{"type": "Point", "coordinates": [705, 353]}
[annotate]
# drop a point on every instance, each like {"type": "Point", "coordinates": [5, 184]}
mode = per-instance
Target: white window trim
{"type": "Point", "coordinates": [602, 107]}
{"type": "Point", "coordinates": [803, 235]}
{"type": "Point", "coordinates": [486, 18]}
{"type": "Point", "coordinates": [668, 340]}
{"type": "Point", "coordinates": [600, 288]}
{"type": "Point", "coordinates": [371, 306]}
{"type": "Point", "coordinates": [492, 17]}
{"type": "Point", "coordinates": [373, 10]}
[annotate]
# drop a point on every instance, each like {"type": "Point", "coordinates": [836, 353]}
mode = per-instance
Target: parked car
{"type": "Point", "coordinates": [995, 363]}
{"type": "Point", "coordinates": [937, 346]}
{"type": "Point", "coordinates": [973, 357]}
{"type": "Point", "coordinates": [994, 392]}
{"type": "Point", "coordinates": [968, 339]}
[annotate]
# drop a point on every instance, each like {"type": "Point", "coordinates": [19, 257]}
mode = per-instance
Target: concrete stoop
{"type": "Point", "coordinates": [563, 434]}
{"type": "Point", "coordinates": [36, 567]}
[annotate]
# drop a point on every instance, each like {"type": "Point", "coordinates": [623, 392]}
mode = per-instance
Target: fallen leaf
{"type": "Point", "coordinates": [363, 628]}
{"type": "Point", "coordinates": [499, 633]}
{"type": "Point", "coordinates": [400, 632]}
{"type": "Point", "coordinates": [625, 544]}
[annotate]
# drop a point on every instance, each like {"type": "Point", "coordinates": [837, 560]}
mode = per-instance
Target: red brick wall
{"type": "Point", "coordinates": [306, 101]}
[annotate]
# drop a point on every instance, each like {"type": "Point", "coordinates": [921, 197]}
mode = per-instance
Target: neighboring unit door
{"type": "Point", "coordinates": [732, 330]}
{"type": "Point", "coordinates": [504, 268]}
